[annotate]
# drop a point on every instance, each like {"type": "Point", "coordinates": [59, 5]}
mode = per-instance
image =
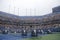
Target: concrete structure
{"type": "Point", "coordinates": [56, 9]}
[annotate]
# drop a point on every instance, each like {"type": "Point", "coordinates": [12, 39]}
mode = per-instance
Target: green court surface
{"type": "Point", "coordinates": [55, 36]}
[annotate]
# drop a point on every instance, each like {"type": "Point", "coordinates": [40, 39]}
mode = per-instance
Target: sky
{"type": "Point", "coordinates": [28, 7]}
